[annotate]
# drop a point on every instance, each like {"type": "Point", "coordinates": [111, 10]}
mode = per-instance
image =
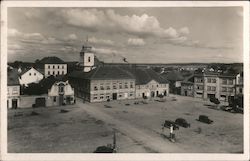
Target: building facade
{"type": "Point", "coordinates": [61, 93]}
{"type": "Point", "coordinates": [13, 89]}
{"type": "Point", "coordinates": [209, 84]}
{"type": "Point", "coordinates": [30, 76]}
{"type": "Point", "coordinates": [55, 69]}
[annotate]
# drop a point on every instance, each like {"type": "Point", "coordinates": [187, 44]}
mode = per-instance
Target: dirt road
{"type": "Point", "coordinates": [148, 139]}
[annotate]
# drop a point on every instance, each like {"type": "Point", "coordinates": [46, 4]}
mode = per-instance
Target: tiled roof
{"type": "Point", "coordinates": [102, 73]}
{"type": "Point", "coordinates": [52, 60]}
{"type": "Point", "coordinates": [12, 77]}
{"type": "Point", "coordinates": [142, 76]}
{"type": "Point", "coordinates": [173, 76]}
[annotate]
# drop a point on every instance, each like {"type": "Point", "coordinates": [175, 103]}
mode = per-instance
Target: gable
{"type": "Point", "coordinates": [32, 71]}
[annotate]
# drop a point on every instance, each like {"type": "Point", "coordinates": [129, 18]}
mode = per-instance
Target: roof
{"type": "Point", "coordinates": [102, 73]}
{"type": "Point", "coordinates": [52, 60]}
{"type": "Point", "coordinates": [211, 73]}
{"type": "Point", "coordinates": [173, 76]}
{"type": "Point", "coordinates": [143, 76]}
{"type": "Point", "coordinates": [27, 69]}
{"type": "Point", "coordinates": [46, 83]}
{"type": "Point", "coordinates": [12, 77]}
{"type": "Point", "coordinates": [189, 79]}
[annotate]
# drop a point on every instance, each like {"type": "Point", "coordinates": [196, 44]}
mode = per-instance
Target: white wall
{"type": "Point", "coordinates": [31, 76]}
{"type": "Point", "coordinates": [48, 69]}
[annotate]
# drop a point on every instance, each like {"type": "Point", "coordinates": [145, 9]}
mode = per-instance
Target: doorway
{"type": "Point", "coordinates": [186, 93]}
{"type": "Point", "coordinates": [114, 96]}
{"type": "Point", "coordinates": [14, 103]}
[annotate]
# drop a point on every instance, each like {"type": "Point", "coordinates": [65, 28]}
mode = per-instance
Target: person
{"type": "Point", "coordinates": [172, 136]}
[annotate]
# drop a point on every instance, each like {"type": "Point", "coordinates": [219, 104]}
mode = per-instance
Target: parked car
{"type": "Point", "coordinates": [205, 119]}
{"type": "Point", "coordinates": [168, 123]}
{"type": "Point", "coordinates": [182, 122]}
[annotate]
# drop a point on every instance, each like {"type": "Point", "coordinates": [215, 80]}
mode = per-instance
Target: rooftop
{"type": "Point", "coordinates": [51, 60]}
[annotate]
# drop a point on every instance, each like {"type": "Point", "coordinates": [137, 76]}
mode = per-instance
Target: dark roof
{"type": "Point", "coordinates": [143, 76]}
{"type": "Point", "coordinates": [52, 60]}
{"type": "Point", "coordinates": [102, 73]}
{"type": "Point", "coordinates": [47, 83]}
{"type": "Point", "coordinates": [173, 76]}
{"type": "Point", "coordinates": [12, 77]}
{"type": "Point", "coordinates": [189, 79]}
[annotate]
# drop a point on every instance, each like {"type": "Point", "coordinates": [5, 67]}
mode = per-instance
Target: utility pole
{"type": "Point", "coordinates": [114, 141]}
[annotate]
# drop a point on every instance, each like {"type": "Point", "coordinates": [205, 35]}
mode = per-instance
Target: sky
{"type": "Point", "coordinates": [141, 35]}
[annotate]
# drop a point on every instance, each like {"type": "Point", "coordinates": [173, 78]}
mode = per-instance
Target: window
{"type": "Point", "coordinates": [230, 81]}
{"type": "Point", "coordinates": [240, 90]}
{"type": "Point", "coordinates": [58, 72]}
{"type": "Point", "coordinates": [131, 94]}
{"type": "Point", "coordinates": [30, 74]}
{"type": "Point", "coordinates": [58, 66]}
{"type": "Point", "coordinates": [114, 85]}
{"type": "Point", "coordinates": [53, 67]}
{"type": "Point", "coordinates": [107, 97]}
{"type": "Point", "coordinates": [213, 80]}
{"type": "Point", "coordinates": [209, 88]}
{"type": "Point", "coordinates": [209, 80]}
{"type": "Point", "coordinates": [54, 99]}
{"type": "Point", "coordinates": [101, 86]}
{"type": "Point", "coordinates": [62, 72]}
{"type": "Point", "coordinates": [223, 89]}
{"type": "Point", "coordinates": [34, 74]}
{"type": "Point", "coordinates": [224, 81]}
{"type": "Point", "coordinates": [89, 59]}
{"type": "Point", "coordinates": [48, 72]}
{"type": "Point", "coordinates": [131, 85]}
{"type": "Point", "coordinates": [120, 85]}
{"type": "Point", "coordinates": [61, 89]}
{"type": "Point", "coordinates": [108, 87]}
{"type": "Point", "coordinates": [95, 88]}
{"type": "Point", "coordinates": [49, 66]}
{"type": "Point", "coordinates": [95, 97]}
{"type": "Point", "coordinates": [200, 87]}
{"type": "Point", "coordinates": [120, 95]}
{"type": "Point", "coordinates": [101, 96]}
{"type": "Point", "coordinates": [126, 85]}
{"type": "Point", "coordinates": [230, 89]}
{"type": "Point", "coordinates": [62, 66]}
{"type": "Point", "coordinates": [53, 72]}
{"type": "Point", "coordinates": [199, 80]}
{"type": "Point", "coordinates": [213, 88]}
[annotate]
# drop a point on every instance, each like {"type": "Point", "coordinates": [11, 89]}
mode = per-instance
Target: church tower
{"type": "Point", "coordinates": [87, 59]}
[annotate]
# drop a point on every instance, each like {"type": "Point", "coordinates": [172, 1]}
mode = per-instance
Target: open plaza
{"type": "Point", "coordinates": [82, 127]}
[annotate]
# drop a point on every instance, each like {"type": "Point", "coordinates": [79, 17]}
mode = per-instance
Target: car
{"type": "Point", "coordinates": [168, 123]}
{"type": "Point", "coordinates": [205, 119]}
{"type": "Point", "coordinates": [182, 122]}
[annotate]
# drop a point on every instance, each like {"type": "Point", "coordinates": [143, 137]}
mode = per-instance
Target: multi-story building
{"type": "Point", "coordinates": [31, 75]}
{"type": "Point", "coordinates": [187, 86]}
{"type": "Point", "coordinates": [13, 89]}
{"type": "Point", "coordinates": [150, 84]}
{"type": "Point", "coordinates": [212, 84]}
{"type": "Point", "coordinates": [102, 84]}
{"type": "Point", "coordinates": [110, 82]}
{"type": "Point", "coordinates": [54, 66]}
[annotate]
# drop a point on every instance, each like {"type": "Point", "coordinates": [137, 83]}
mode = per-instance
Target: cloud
{"type": "Point", "coordinates": [71, 37]}
{"type": "Point", "coordinates": [94, 40]}
{"type": "Point", "coordinates": [109, 21]}
{"type": "Point", "coordinates": [104, 51]}
{"type": "Point", "coordinates": [136, 42]}
{"type": "Point", "coordinates": [184, 31]}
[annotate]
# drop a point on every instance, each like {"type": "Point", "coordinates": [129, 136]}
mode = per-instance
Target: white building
{"type": "Point", "coordinates": [150, 84]}
{"type": "Point", "coordinates": [30, 76]}
{"type": "Point", "coordinates": [61, 93]}
{"type": "Point", "coordinates": [87, 59]}
{"type": "Point", "coordinates": [54, 66]}
{"type": "Point", "coordinates": [13, 89]}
